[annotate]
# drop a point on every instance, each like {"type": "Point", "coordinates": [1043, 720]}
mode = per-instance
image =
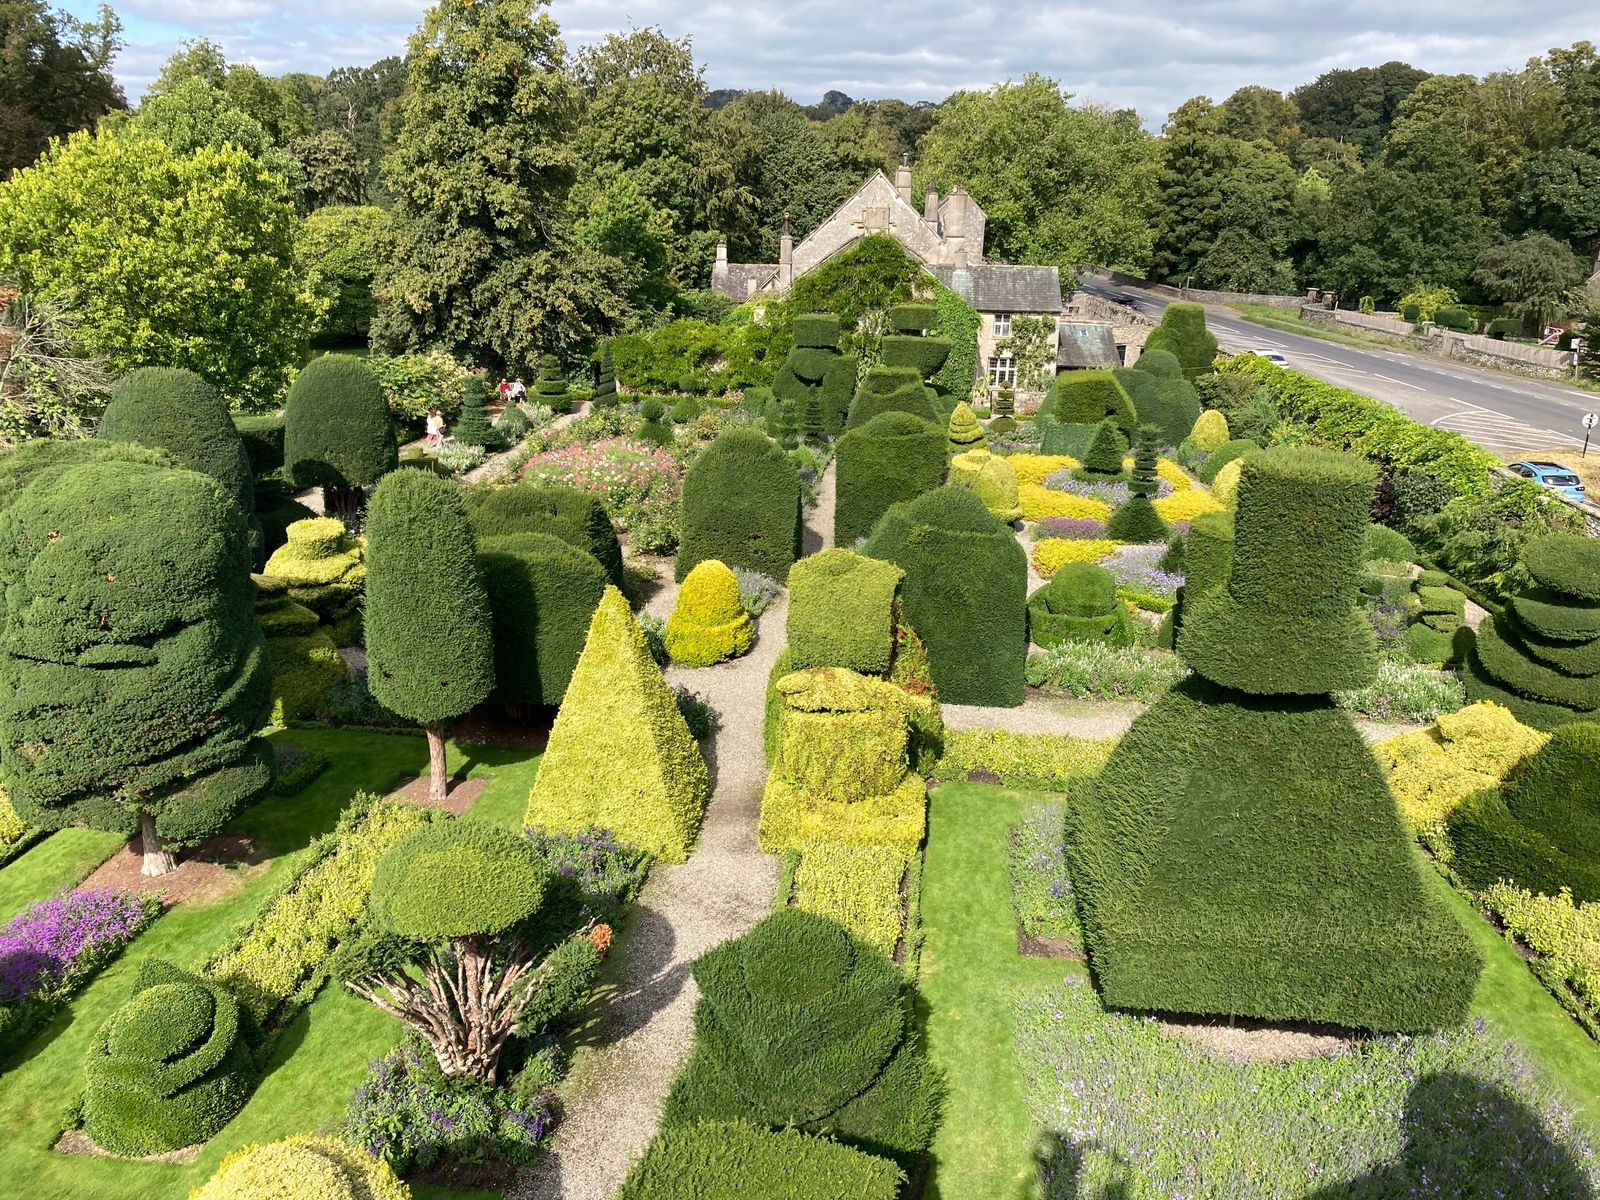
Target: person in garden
{"type": "Point", "coordinates": [435, 427]}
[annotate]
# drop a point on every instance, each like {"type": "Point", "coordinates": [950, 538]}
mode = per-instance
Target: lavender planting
{"type": "Point", "coordinates": [1070, 528]}
{"type": "Point", "coordinates": [70, 933]}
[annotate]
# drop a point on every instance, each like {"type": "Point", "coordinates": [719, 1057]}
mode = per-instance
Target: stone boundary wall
{"type": "Point", "coordinates": [1201, 296]}
{"type": "Point", "coordinates": [1378, 322]}
{"type": "Point", "coordinates": [1442, 341]}
{"type": "Point", "coordinates": [1547, 357]}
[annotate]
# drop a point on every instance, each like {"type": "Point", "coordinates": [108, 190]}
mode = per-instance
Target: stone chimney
{"type": "Point", "coordinates": [902, 178]}
{"type": "Point", "coordinates": [955, 225]}
{"type": "Point", "coordinates": [719, 269]}
{"type": "Point", "coordinates": [930, 207]}
{"type": "Point", "coordinates": [785, 257]}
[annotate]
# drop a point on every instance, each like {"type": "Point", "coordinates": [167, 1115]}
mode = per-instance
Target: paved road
{"type": "Point", "coordinates": [1500, 412]}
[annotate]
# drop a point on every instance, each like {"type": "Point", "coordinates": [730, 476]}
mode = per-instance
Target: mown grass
{"type": "Point", "coordinates": [321, 1056]}
{"type": "Point", "coordinates": [61, 860]}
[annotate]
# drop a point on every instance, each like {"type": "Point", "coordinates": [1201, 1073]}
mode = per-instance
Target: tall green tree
{"type": "Point", "coordinates": [483, 261]}
{"type": "Point", "coordinates": [1060, 184]}
{"type": "Point", "coordinates": [1537, 275]}
{"type": "Point", "coordinates": [1356, 105]}
{"type": "Point", "coordinates": [55, 76]}
{"type": "Point", "coordinates": [1195, 158]}
{"type": "Point", "coordinates": [1260, 114]}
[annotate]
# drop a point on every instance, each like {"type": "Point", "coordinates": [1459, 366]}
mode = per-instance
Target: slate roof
{"type": "Point", "coordinates": [1085, 344]}
{"type": "Point", "coordinates": [745, 279]}
{"type": "Point", "coordinates": [1000, 287]}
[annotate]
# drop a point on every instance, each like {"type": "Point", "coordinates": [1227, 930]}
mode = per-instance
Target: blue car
{"type": "Point", "coordinates": [1552, 475]}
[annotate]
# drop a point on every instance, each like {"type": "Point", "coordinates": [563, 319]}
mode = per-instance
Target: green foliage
{"type": "Point", "coordinates": [324, 567]}
{"type": "Point", "coordinates": [1487, 845]}
{"type": "Point", "coordinates": [1457, 319]}
{"type": "Point", "coordinates": [343, 246]}
{"type": "Point", "coordinates": [1036, 761]}
{"type": "Point", "coordinates": [708, 625]}
{"type": "Point", "coordinates": [712, 358]}
{"type": "Point", "coordinates": [924, 355]}
{"type": "Point", "coordinates": [1079, 604]}
{"type": "Point", "coordinates": [1089, 397]}
{"type": "Point", "coordinates": [1171, 404]}
{"type": "Point", "coordinates": [843, 737]}
{"type": "Point", "coordinates": [620, 755]}
{"type": "Point", "coordinates": [542, 593]}
{"type": "Point", "coordinates": [857, 886]}
{"type": "Point", "coordinates": [800, 1024]}
{"type": "Point", "coordinates": [992, 479]}
{"type": "Point", "coordinates": [457, 879]}
{"type": "Point", "coordinates": [1103, 455]}
{"type": "Point", "coordinates": [172, 259]}
{"type": "Point", "coordinates": [820, 330]}
{"type": "Point", "coordinates": [1095, 670]}
{"type": "Point", "coordinates": [1210, 431]}
{"type": "Point", "coordinates": [841, 612]}
{"type": "Point", "coordinates": [263, 443]}
{"type": "Point", "coordinates": [313, 1168]}
{"type": "Point", "coordinates": [472, 428]}
{"type": "Point", "coordinates": [963, 431]}
{"type": "Point", "coordinates": [134, 670]}
{"type": "Point", "coordinates": [62, 83]}
{"type": "Point", "coordinates": [1556, 794]}
{"type": "Point", "coordinates": [890, 389]}
{"type": "Point", "coordinates": [730, 1160]}
{"type": "Point", "coordinates": [741, 506]}
{"type": "Point", "coordinates": [1287, 621]}
{"type": "Point", "coordinates": [424, 596]}
{"type": "Point", "coordinates": [1136, 520]}
{"type": "Point", "coordinates": [336, 430]}
{"type": "Point", "coordinates": [965, 592]}
{"type": "Point", "coordinates": [1406, 690]}
{"type": "Point", "coordinates": [1387, 545]}
{"type": "Point", "coordinates": [816, 381]}
{"type": "Point", "coordinates": [416, 384]}
{"type": "Point", "coordinates": [1302, 900]}
{"type": "Point", "coordinates": [1224, 454]}
{"type": "Point", "coordinates": [169, 1068]}
{"type": "Point", "coordinates": [957, 323]}
{"type": "Point", "coordinates": [550, 389]}
{"type": "Point", "coordinates": [577, 518]}
{"type": "Point", "coordinates": [1183, 333]}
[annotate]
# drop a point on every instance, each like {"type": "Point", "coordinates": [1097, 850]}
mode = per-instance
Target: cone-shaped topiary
{"type": "Point", "coordinates": [430, 652]}
{"type": "Point", "coordinates": [1541, 656]}
{"type": "Point", "coordinates": [1183, 333]}
{"type": "Point", "coordinates": [963, 430]}
{"type": "Point", "coordinates": [1210, 430]}
{"type": "Point", "coordinates": [133, 676]}
{"type": "Point", "coordinates": [605, 388]}
{"type": "Point", "coordinates": [741, 506]}
{"type": "Point", "coordinates": [302, 1168]}
{"type": "Point", "coordinates": [1225, 487]}
{"type": "Point", "coordinates": [336, 429]}
{"type": "Point", "coordinates": [656, 429]}
{"type": "Point", "coordinates": [577, 518]}
{"type": "Point", "coordinates": [1242, 854]}
{"type": "Point", "coordinates": [542, 592]}
{"type": "Point", "coordinates": [708, 625]}
{"type": "Point", "coordinates": [1106, 448]}
{"type": "Point", "coordinates": [1136, 519]}
{"type": "Point", "coordinates": [965, 592]}
{"type": "Point", "coordinates": [992, 479]}
{"type": "Point", "coordinates": [620, 755]}
{"type": "Point", "coordinates": [550, 388]}
{"type": "Point", "coordinates": [472, 426]}
{"type": "Point", "coordinates": [1079, 604]}
{"type": "Point", "coordinates": [891, 458]}
{"type": "Point", "coordinates": [841, 611]}
{"type": "Point", "coordinates": [169, 1068]}
{"type": "Point", "coordinates": [800, 1024]}
{"type": "Point", "coordinates": [890, 389]}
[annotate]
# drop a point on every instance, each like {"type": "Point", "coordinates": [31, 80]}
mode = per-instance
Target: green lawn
{"type": "Point", "coordinates": [325, 1050]}
{"type": "Point", "coordinates": [59, 861]}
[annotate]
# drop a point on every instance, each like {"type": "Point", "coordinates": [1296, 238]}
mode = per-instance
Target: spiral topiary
{"type": "Point", "coordinates": [1136, 519]}
{"type": "Point", "coordinates": [708, 625]}
{"type": "Point", "coordinates": [963, 431]}
{"type": "Point", "coordinates": [302, 1168]}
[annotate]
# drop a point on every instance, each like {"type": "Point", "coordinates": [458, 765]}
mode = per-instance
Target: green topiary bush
{"type": "Point", "coordinates": [302, 1168]}
{"type": "Point", "coordinates": [1210, 431]}
{"type": "Point", "coordinates": [913, 318]}
{"type": "Point", "coordinates": [965, 592]}
{"type": "Point", "coordinates": [605, 387]}
{"type": "Point", "coordinates": [1411, 313]}
{"type": "Point", "coordinates": [170, 409]}
{"type": "Point", "coordinates": [262, 435]}
{"type": "Point", "coordinates": [336, 429]}
{"type": "Point", "coordinates": [1227, 452]}
{"type": "Point", "coordinates": [1089, 397]}
{"type": "Point", "coordinates": [1135, 519]}
{"type": "Point", "coordinates": [1183, 333]}
{"type": "Point", "coordinates": [542, 593]}
{"type": "Point", "coordinates": [620, 755]}
{"type": "Point", "coordinates": [1161, 395]}
{"type": "Point", "coordinates": [734, 1160]}
{"type": "Point", "coordinates": [800, 1024]}
{"type": "Point", "coordinates": [992, 479]}
{"type": "Point", "coordinates": [576, 517]}
{"type": "Point", "coordinates": [815, 380]}
{"type": "Point", "coordinates": [1105, 450]}
{"type": "Point", "coordinates": [841, 612]}
{"type": "Point", "coordinates": [819, 330]}
{"type": "Point", "coordinates": [306, 665]}
{"type": "Point", "coordinates": [169, 1068]}
{"type": "Point", "coordinates": [1079, 604]}
{"type": "Point", "coordinates": [708, 625]}
{"type": "Point", "coordinates": [44, 459]}
{"type": "Point", "coordinates": [890, 389]}
{"type": "Point", "coordinates": [1459, 320]}
{"type": "Point", "coordinates": [550, 389]}
{"type": "Point", "coordinates": [963, 431]}
{"type": "Point", "coordinates": [741, 506]}
{"type": "Point", "coordinates": [891, 458]}
{"type": "Point", "coordinates": [924, 355]}
{"type": "Point", "coordinates": [1557, 791]}
{"type": "Point", "coordinates": [1381, 543]}
{"type": "Point", "coordinates": [1488, 845]}
{"type": "Point", "coordinates": [1162, 364]}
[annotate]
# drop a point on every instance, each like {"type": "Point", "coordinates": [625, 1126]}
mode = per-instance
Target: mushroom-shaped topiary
{"type": "Point", "coordinates": [169, 1068]}
{"type": "Point", "coordinates": [302, 1168]}
{"type": "Point", "coordinates": [1079, 604]}
{"type": "Point", "coordinates": [1210, 430]}
{"type": "Point", "coordinates": [708, 624]}
{"type": "Point", "coordinates": [963, 431]}
{"type": "Point", "coordinates": [992, 479]}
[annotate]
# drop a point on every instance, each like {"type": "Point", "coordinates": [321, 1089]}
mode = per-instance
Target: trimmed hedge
{"type": "Point", "coordinates": [913, 318]}
{"type": "Point", "coordinates": [965, 593]}
{"type": "Point", "coordinates": [734, 1160]}
{"type": "Point", "coordinates": [1079, 604]}
{"type": "Point", "coordinates": [305, 1168]}
{"type": "Point", "coordinates": [620, 755]}
{"type": "Point", "coordinates": [1382, 543]}
{"type": "Point", "coordinates": [1287, 621]}
{"type": "Point", "coordinates": [841, 612]}
{"type": "Point", "coordinates": [708, 625]}
{"type": "Point", "coordinates": [1163, 364]}
{"type": "Point", "coordinates": [170, 1067]}
{"type": "Point", "coordinates": [962, 430]}
{"type": "Point", "coordinates": [1161, 395]}
{"type": "Point", "coordinates": [1210, 430]}
{"type": "Point", "coordinates": [893, 457]}
{"type": "Point", "coordinates": [924, 355]}
{"type": "Point", "coordinates": [992, 479]}
{"type": "Point", "coordinates": [605, 387]}
{"type": "Point", "coordinates": [576, 517]}
{"type": "Point", "coordinates": [815, 381]}
{"type": "Point", "coordinates": [800, 1024]}
{"type": "Point", "coordinates": [741, 506]}
{"type": "Point", "coordinates": [1227, 452]}
{"type": "Point", "coordinates": [1488, 844]}
{"type": "Point", "coordinates": [336, 428]}
{"type": "Point", "coordinates": [1087, 398]}
{"type": "Point", "coordinates": [890, 389]}
{"type": "Point", "coordinates": [457, 879]}
{"type": "Point", "coordinates": [817, 330]}
{"type": "Point", "coordinates": [542, 593]}
{"type": "Point", "coordinates": [1183, 333]}
{"type": "Point", "coordinates": [1557, 792]}
{"type": "Point", "coordinates": [857, 886]}
{"type": "Point", "coordinates": [167, 408]}
{"type": "Point", "coordinates": [324, 567]}
{"type": "Point", "coordinates": [44, 459]}
{"type": "Point", "coordinates": [262, 435]}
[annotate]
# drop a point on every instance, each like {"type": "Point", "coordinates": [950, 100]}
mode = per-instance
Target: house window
{"type": "Point", "coordinates": [1003, 371]}
{"type": "Point", "coordinates": [1002, 325]}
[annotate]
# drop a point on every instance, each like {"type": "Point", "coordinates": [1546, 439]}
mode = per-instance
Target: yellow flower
{"type": "Point", "coordinates": [1050, 555]}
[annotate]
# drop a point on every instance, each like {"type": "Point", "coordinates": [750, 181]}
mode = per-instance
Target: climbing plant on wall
{"type": "Point", "coordinates": [1033, 344]}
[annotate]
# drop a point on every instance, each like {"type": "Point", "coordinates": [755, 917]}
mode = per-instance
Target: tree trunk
{"type": "Point", "coordinates": [437, 780]}
{"type": "Point", "coordinates": [158, 860]}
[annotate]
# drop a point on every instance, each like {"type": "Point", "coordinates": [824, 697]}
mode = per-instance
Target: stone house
{"type": "Point", "coordinates": [946, 236]}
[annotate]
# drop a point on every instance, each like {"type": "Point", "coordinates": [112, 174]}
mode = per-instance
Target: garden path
{"type": "Point", "coordinates": [642, 1022]}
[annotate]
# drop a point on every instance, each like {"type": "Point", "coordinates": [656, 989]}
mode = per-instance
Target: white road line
{"type": "Point", "coordinates": [1401, 382]}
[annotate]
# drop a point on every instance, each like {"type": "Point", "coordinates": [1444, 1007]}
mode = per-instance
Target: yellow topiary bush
{"type": "Point", "coordinates": [792, 818]}
{"type": "Point", "coordinates": [992, 479]}
{"type": "Point", "coordinates": [1032, 468]}
{"type": "Point", "coordinates": [1210, 431]}
{"type": "Point", "coordinates": [13, 829]}
{"type": "Point", "coordinates": [324, 567]}
{"type": "Point", "coordinates": [620, 755]}
{"type": "Point", "coordinates": [708, 625]}
{"type": "Point", "coordinates": [1050, 555]}
{"type": "Point", "coordinates": [1039, 502]}
{"type": "Point", "coordinates": [1225, 487]}
{"type": "Point", "coordinates": [302, 1168]}
{"type": "Point", "coordinates": [1487, 737]}
{"type": "Point", "coordinates": [1433, 770]}
{"type": "Point", "coordinates": [1186, 505]}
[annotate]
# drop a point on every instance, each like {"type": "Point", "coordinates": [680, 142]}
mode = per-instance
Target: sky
{"type": "Point", "coordinates": [1128, 54]}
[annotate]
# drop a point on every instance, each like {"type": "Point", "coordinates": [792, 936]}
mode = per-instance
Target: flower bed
{"type": "Point", "coordinates": [641, 486]}
{"type": "Point", "coordinates": [1137, 570]}
{"type": "Point", "coordinates": [1045, 761]}
{"type": "Point", "coordinates": [1406, 691]}
{"type": "Point", "coordinates": [1096, 671]}
{"type": "Point", "coordinates": [1041, 890]}
{"type": "Point", "coordinates": [1070, 528]}
{"type": "Point", "coordinates": [1050, 555]}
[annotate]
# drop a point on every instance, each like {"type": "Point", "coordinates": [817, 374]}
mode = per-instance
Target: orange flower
{"type": "Point", "coordinates": [600, 935]}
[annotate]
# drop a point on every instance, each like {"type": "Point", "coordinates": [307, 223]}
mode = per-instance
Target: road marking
{"type": "Point", "coordinates": [1401, 382]}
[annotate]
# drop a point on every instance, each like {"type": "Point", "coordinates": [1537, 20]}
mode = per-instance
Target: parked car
{"type": "Point", "coordinates": [1272, 356]}
{"type": "Point", "coordinates": [1552, 475]}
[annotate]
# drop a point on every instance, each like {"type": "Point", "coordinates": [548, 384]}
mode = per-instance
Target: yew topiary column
{"type": "Point", "coordinates": [1136, 519]}
{"type": "Point", "coordinates": [816, 381]}
{"type": "Point", "coordinates": [1183, 334]}
{"type": "Point", "coordinates": [550, 389]}
{"type": "Point", "coordinates": [430, 654]}
{"type": "Point", "coordinates": [741, 506]}
{"type": "Point", "coordinates": [893, 457]}
{"type": "Point", "coordinates": [336, 430]}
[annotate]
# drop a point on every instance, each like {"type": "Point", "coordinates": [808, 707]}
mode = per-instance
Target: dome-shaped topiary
{"type": "Point", "coordinates": [576, 517]}
{"type": "Point", "coordinates": [302, 1168]}
{"type": "Point", "coordinates": [169, 1068]}
{"type": "Point", "coordinates": [336, 428]}
{"type": "Point", "coordinates": [1224, 454]}
{"type": "Point", "coordinates": [451, 879]}
{"type": "Point", "coordinates": [893, 457]}
{"type": "Point", "coordinates": [1225, 487]}
{"type": "Point", "coordinates": [708, 624]}
{"type": "Point", "coordinates": [1557, 792]}
{"type": "Point", "coordinates": [1079, 604]}
{"type": "Point", "coordinates": [1210, 430]}
{"type": "Point", "coordinates": [1163, 364]}
{"type": "Point", "coordinates": [741, 506]}
{"type": "Point", "coordinates": [963, 431]}
{"type": "Point", "coordinates": [43, 459]}
{"type": "Point", "coordinates": [992, 479]}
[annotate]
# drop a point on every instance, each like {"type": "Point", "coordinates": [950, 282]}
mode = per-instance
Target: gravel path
{"type": "Point", "coordinates": [643, 1014]}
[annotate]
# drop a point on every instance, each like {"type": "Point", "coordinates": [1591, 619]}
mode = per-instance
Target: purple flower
{"type": "Point", "coordinates": [1072, 528]}
{"type": "Point", "coordinates": [41, 946]}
